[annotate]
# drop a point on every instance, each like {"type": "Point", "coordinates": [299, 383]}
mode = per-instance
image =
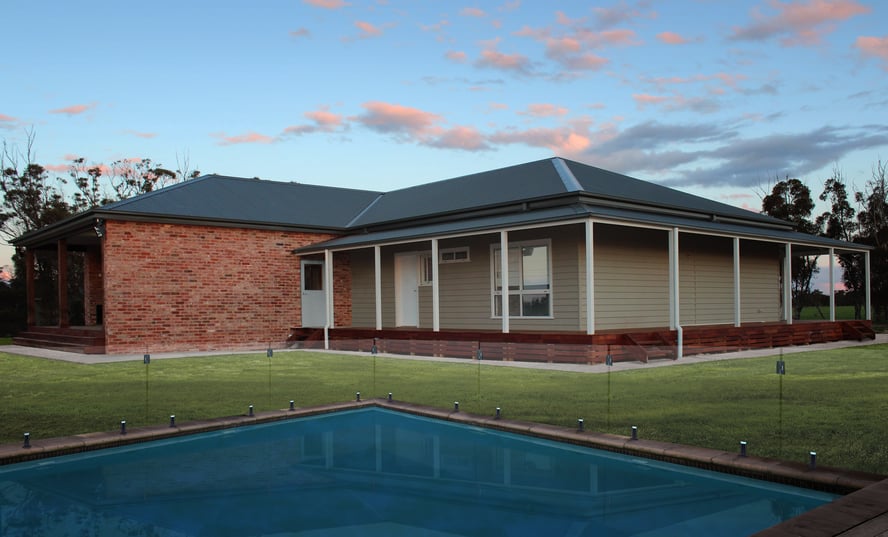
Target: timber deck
{"type": "Point", "coordinates": [580, 348]}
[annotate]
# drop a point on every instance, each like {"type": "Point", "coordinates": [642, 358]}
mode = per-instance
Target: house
{"type": "Point", "coordinates": [590, 263]}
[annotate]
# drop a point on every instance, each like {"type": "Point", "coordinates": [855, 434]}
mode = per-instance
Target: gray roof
{"type": "Point", "coordinates": [577, 213]}
{"type": "Point", "coordinates": [547, 190]}
{"type": "Point", "coordinates": [534, 181]}
{"type": "Point", "coordinates": [234, 199]}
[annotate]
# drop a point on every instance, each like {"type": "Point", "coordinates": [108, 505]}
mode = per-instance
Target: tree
{"type": "Point", "coordinates": [130, 177]}
{"type": "Point", "coordinates": [790, 200]}
{"type": "Point", "coordinates": [30, 199]}
{"type": "Point", "coordinates": [840, 223]}
{"type": "Point", "coordinates": [873, 231]}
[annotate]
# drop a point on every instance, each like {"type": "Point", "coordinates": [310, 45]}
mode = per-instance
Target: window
{"type": "Point", "coordinates": [530, 280]}
{"type": "Point", "coordinates": [455, 255]}
{"type": "Point", "coordinates": [425, 269]}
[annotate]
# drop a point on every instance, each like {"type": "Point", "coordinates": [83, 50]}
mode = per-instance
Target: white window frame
{"type": "Point", "coordinates": [425, 269]}
{"type": "Point", "coordinates": [494, 257]}
{"type": "Point", "coordinates": [455, 251]}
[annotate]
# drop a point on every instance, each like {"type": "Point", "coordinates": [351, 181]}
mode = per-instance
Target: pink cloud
{"type": "Point", "coordinates": [300, 32]}
{"type": "Point", "coordinates": [70, 156]}
{"type": "Point", "coordinates": [472, 12]}
{"type": "Point", "coordinates": [671, 38]}
{"type": "Point", "coordinates": [799, 22]}
{"type": "Point", "coordinates": [544, 110]}
{"type": "Point", "coordinates": [57, 168]}
{"type": "Point", "coordinates": [74, 109]}
{"type": "Point", "coordinates": [876, 47]}
{"type": "Point", "coordinates": [327, 4]}
{"type": "Point", "coordinates": [145, 135]}
{"type": "Point", "coordinates": [494, 59]}
{"type": "Point", "coordinates": [323, 119]}
{"type": "Point", "coordinates": [644, 99]}
{"type": "Point", "coordinates": [7, 122]}
{"type": "Point", "coordinates": [247, 138]}
{"type": "Point", "coordinates": [409, 124]}
{"type": "Point", "coordinates": [456, 56]}
{"type": "Point", "coordinates": [368, 30]}
{"type": "Point", "coordinates": [497, 106]}
{"type": "Point", "coordinates": [562, 141]}
{"type": "Point", "coordinates": [395, 118]}
{"type": "Point", "coordinates": [465, 138]}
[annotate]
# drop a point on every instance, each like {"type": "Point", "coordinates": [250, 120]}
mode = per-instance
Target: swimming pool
{"type": "Point", "coordinates": [375, 471]}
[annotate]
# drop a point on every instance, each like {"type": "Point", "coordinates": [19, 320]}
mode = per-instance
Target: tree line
{"type": "Point", "coordinates": [33, 198]}
{"type": "Point", "coordinates": [861, 217]}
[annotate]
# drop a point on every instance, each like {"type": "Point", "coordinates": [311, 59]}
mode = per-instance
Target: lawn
{"type": "Point", "coordinates": [833, 402]}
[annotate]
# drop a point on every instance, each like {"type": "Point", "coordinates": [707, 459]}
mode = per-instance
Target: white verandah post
{"type": "Point", "coordinates": [328, 296]}
{"type": "Point", "coordinates": [737, 319]}
{"type": "Point", "coordinates": [590, 279]}
{"type": "Point", "coordinates": [436, 299]}
{"type": "Point", "coordinates": [674, 294]}
{"type": "Point", "coordinates": [504, 278]}
{"type": "Point", "coordinates": [377, 273]}
{"type": "Point", "coordinates": [866, 275]}
{"type": "Point", "coordinates": [832, 285]}
{"type": "Point", "coordinates": [787, 284]}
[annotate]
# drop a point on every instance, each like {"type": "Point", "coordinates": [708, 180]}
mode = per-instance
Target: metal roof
{"type": "Point", "coordinates": [576, 213]}
{"type": "Point", "coordinates": [217, 197]}
{"type": "Point", "coordinates": [547, 190]}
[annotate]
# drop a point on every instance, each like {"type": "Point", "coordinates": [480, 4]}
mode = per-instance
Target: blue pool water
{"type": "Point", "coordinates": [377, 472]}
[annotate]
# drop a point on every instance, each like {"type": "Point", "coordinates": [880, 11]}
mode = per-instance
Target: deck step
{"type": "Point", "coordinates": [69, 339]}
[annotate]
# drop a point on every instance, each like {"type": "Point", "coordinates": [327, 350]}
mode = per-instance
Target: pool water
{"type": "Point", "coordinates": [379, 472]}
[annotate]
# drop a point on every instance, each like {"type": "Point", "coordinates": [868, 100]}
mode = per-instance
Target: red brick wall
{"type": "Point", "coordinates": [92, 285]}
{"type": "Point", "coordinates": [178, 288]}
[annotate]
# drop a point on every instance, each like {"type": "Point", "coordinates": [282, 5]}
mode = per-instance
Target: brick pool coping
{"type": "Point", "coordinates": [862, 512]}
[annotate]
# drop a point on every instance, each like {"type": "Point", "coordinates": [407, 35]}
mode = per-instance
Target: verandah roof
{"type": "Point", "coordinates": [576, 213]}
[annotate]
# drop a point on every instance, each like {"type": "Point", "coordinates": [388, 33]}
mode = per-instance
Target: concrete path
{"type": "Point", "coordinates": [580, 368]}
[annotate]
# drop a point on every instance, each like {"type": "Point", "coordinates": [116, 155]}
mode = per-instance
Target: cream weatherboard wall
{"type": "Point", "coordinates": [631, 277]}
{"type": "Point", "coordinates": [631, 281]}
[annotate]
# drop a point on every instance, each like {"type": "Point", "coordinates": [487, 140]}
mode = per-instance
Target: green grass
{"type": "Point", "coordinates": [810, 313]}
{"type": "Point", "coordinates": [5, 341]}
{"type": "Point", "coordinates": [834, 402]}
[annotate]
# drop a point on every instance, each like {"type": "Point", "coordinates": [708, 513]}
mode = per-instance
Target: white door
{"type": "Point", "coordinates": [407, 290]}
{"type": "Point", "coordinates": [314, 301]}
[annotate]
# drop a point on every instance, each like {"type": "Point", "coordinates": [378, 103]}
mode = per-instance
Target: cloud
{"type": "Point", "coordinates": [472, 12]}
{"type": "Point", "coordinates": [672, 38]}
{"type": "Point", "coordinates": [456, 56]}
{"type": "Point", "coordinates": [323, 121]}
{"type": "Point", "coordinates": [412, 125]}
{"type": "Point", "coordinates": [7, 122]}
{"type": "Point", "coordinates": [465, 138]}
{"type": "Point", "coordinates": [145, 135]}
{"type": "Point", "coordinates": [876, 47]}
{"type": "Point", "coordinates": [619, 14]}
{"type": "Point", "coordinates": [798, 22]}
{"type": "Point", "coordinates": [327, 4]}
{"type": "Point", "coordinates": [368, 30]}
{"type": "Point", "coordinates": [247, 138]}
{"type": "Point", "coordinates": [299, 33]}
{"type": "Point", "coordinates": [794, 154]}
{"type": "Point", "coordinates": [494, 59]}
{"type": "Point", "coordinates": [544, 110]}
{"type": "Point", "coordinates": [73, 110]}
{"type": "Point", "coordinates": [562, 141]}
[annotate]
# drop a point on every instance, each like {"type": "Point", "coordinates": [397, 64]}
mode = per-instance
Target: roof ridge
{"type": "Point", "coordinates": [571, 184]}
{"type": "Point", "coordinates": [364, 210]}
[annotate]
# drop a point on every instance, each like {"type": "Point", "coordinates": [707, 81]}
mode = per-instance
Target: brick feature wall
{"type": "Point", "coordinates": [172, 287]}
{"type": "Point", "coordinates": [92, 286]}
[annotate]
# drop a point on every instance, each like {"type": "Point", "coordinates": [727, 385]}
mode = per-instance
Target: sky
{"type": "Point", "coordinates": [716, 98]}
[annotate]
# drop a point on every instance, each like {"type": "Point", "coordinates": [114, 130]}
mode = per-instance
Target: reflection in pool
{"type": "Point", "coordinates": [379, 472]}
